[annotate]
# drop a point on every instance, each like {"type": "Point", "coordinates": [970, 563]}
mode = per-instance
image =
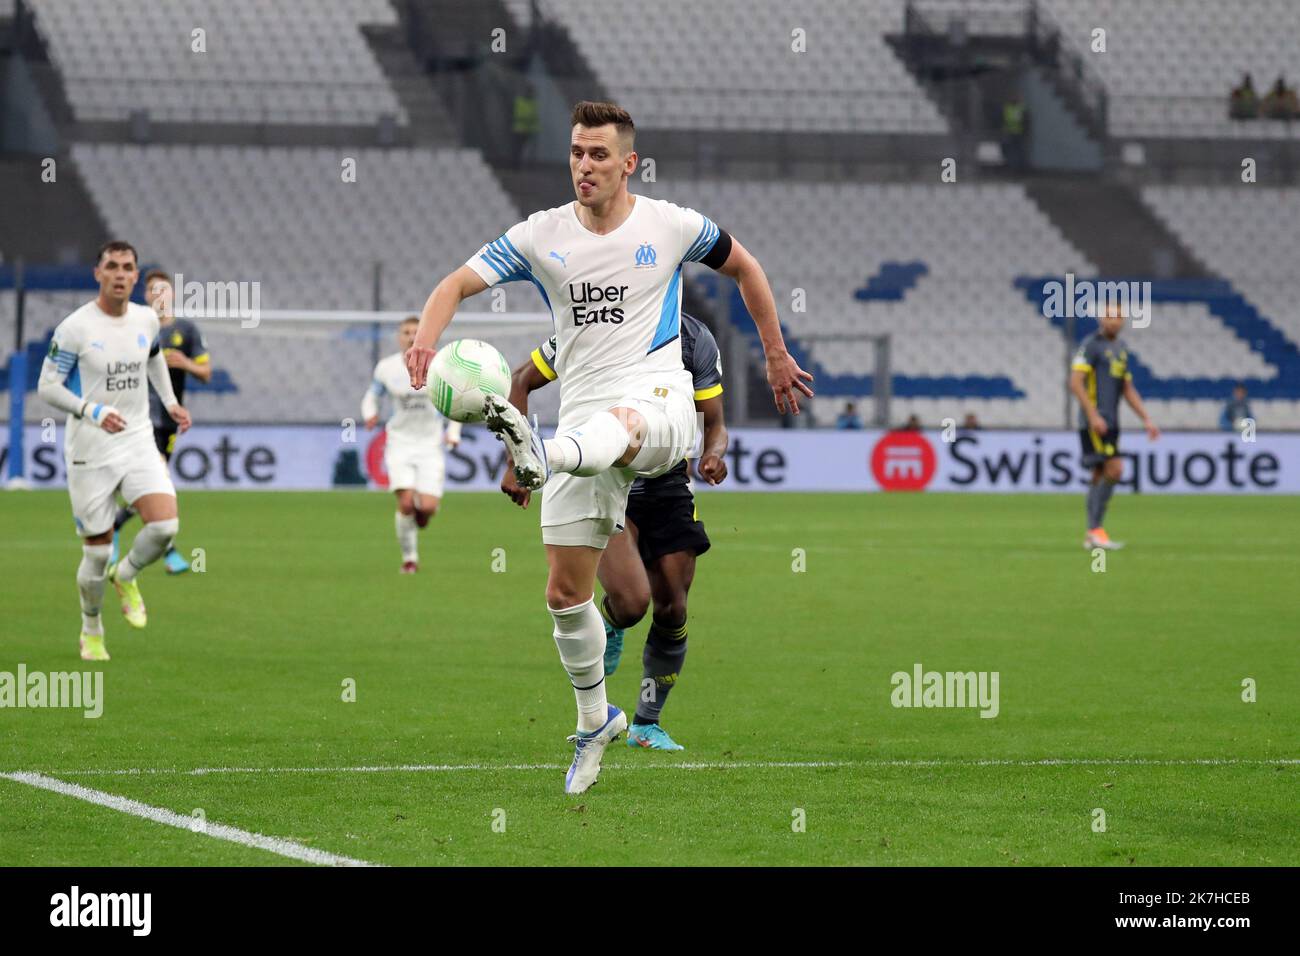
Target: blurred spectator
{"type": "Point", "coordinates": [1013, 132]}
{"type": "Point", "coordinates": [1244, 103]}
{"type": "Point", "coordinates": [848, 418]}
{"type": "Point", "coordinates": [1281, 103]}
{"type": "Point", "coordinates": [1235, 409]}
{"type": "Point", "coordinates": [970, 423]}
{"type": "Point", "coordinates": [526, 123]}
{"type": "Point", "coordinates": [913, 424]}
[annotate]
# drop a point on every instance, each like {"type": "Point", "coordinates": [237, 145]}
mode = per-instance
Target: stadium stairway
{"type": "Point", "coordinates": [1110, 224]}
{"type": "Point", "coordinates": [32, 208]}
{"type": "Point", "coordinates": [430, 123]}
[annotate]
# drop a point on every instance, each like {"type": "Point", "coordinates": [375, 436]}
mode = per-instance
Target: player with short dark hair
{"type": "Point", "coordinates": [186, 353]}
{"type": "Point", "coordinates": [609, 266]}
{"type": "Point", "coordinates": [1099, 376]}
{"type": "Point", "coordinates": [102, 360]}
{"type": "Point", "coordinates": [654, 557]}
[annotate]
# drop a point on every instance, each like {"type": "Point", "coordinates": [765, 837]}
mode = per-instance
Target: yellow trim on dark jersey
{"type": "Point", "coordinates": [200, 359]}
{"type": "Point", "coordinates": [713, 391]}
{"type": "Point", "coordinates": [542, 366]}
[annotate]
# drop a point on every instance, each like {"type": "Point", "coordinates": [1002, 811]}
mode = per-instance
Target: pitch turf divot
{"type": "Point", "coordinates": [685, 765]}
{"type": "Point", "coordinates": [219, 831]}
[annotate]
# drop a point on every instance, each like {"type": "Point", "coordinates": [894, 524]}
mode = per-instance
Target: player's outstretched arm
{"type": "Point", "coordinates": [526, 378]}
{"type": "Point", "coordinates": [436, 316]}
{"type": "Point", "coordinates": [713, 456]}
{"type": "Point", "coordinates": [1135, 402]}
{"type": "Point", "coordinates": [783, 372]}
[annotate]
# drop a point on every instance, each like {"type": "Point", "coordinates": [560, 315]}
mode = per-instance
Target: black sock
{"type": "Point", "coordinates": [1103, 499]}
{"type": "Point", "coordinates": [662, 660]}
{"type": "Point", "coordinates": [123, 516]}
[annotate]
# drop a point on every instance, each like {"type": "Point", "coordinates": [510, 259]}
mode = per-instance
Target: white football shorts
{"type": "Point", "coordinates": [588, 510]}
{"type": "Point", "coordinates": [135, 472]}
{"type": "Point", "coordinates": [422, 468]}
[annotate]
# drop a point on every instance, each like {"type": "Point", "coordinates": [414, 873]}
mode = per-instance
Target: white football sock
{"type": "Point", "coordinates": [580, 637]}
{"type": "Point", "coordinates": [150, 543]}
{"type": "Point", "coordinates": [590, 448]}
{"type": "Point", "coordinates": [407, 537]}
{"type": "Point", "coordinates": [90, 582]}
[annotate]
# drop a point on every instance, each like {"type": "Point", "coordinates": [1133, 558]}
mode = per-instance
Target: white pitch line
{"type": "Point", "coordinates": [715, 765]}
{"type": "Point", "coordinates": [219, 831]}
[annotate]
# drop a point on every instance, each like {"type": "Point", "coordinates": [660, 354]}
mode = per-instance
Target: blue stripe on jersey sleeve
{"type": "Point", "coordinates": [513, 263]}
{"type": "Point", "coordinates": [703, 242]}
{"type": "Point", "coordinates": [492, 259]}
{"type": "Point", "coordinates": [670, 314]}
{"type": "Point", "coordinates": [523, 263]}
{"type": "Point", "coordinates": [377, 388]}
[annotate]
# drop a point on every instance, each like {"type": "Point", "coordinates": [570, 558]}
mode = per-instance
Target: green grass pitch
{"type": "Point", "coordinates": [1119, 691]}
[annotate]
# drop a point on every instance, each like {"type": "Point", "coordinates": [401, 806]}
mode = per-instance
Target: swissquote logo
{"type": "Point", "coordinates": [903, 461]}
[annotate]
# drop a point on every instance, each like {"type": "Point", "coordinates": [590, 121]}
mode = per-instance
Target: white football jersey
{"type": "Point", "coordinates": [104, 359]}
{"type": "Point", "coordinates": [414, 421]}
{"type": "Point", "coordinates": [616, 299]}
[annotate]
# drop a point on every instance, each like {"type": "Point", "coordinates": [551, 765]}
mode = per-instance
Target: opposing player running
{"type": "Point", "coordinates": [654, 557]}
{"type": "Point", "coordinates": [187, 354]}
{"type": "Point", "coordinates": [96, 371]}
{"type": "Point", "coordinates": [1099, 375]}
{"type": "Point", "coordinates": [413, 445]}
{"type": "Point", "coordinates": [609, 267]}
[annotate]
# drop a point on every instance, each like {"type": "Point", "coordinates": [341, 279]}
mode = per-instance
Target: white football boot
{"type": "Point", "coordinates": [524, 443]}
{"type": "Point", "coordinates": [589, 748]}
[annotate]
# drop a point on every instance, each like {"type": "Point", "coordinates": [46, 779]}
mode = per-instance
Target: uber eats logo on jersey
{"type": "Point", "coordinates": [119, 376]}
{"type": "Point", "coordinates": [594, 303]}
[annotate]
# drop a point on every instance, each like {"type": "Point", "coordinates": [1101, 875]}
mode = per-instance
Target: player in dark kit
{"type": "Point", "coordinates": [186, 354]}
{"type": "Point", "coordinates": [1099, 376]}
{"type": "Point", "coordinates": [654, 558]}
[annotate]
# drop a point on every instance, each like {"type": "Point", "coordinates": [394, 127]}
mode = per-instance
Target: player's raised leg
{"type": "Point", "coordinates": [161, 522]}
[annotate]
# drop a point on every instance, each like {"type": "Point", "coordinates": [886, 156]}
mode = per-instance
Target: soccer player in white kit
{"type": "Point", "coordinates": [102, 359]}
{"type": "Point", "coordinates": [609, 267]}
{"type": "Point", "coordinates": [413, 449]}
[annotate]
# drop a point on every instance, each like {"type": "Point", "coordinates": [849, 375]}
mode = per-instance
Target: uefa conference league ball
{"type": "Point", "coordinates": [463, 374]}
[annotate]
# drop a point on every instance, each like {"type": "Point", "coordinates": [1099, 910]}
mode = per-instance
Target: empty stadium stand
{"type": "Point", "coordinates": [1170, 64]}
{"type": "Point", "coordinates": [287, 62]}
{"type": "Point", "coordinates": [285, 217]}
{"type": "Point", "coordinates": [696, 70]}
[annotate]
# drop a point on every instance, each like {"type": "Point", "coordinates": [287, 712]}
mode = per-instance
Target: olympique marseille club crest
{"type": "Point", "coordinates": [646, 258]}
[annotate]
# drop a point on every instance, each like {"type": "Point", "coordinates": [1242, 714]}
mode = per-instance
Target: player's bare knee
{"type": "Point", "coordinates": [672, 612]}
{"type": "Point", "coordinates": [405, 503]}
{"type": "Point", "coordinates": [635, 424]}
{"type": "Point", "coordinates": [1114, 469]}
{"type": "Point", "coordinates": [630, 606]}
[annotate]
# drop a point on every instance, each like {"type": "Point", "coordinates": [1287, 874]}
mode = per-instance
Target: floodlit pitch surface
{"type": "Point", "coordinates": [1121, 738]}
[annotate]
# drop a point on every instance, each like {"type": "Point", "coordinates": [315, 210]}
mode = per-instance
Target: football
{"type": "Point", "coordinates": [463, 374]}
